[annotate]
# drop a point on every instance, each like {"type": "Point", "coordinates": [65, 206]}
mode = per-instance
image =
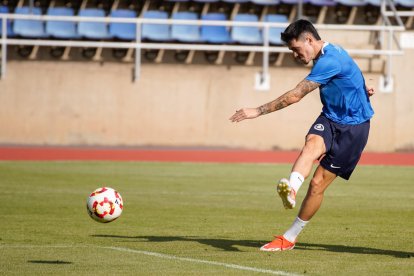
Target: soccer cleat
{"type": "Point", "coordinates": [286, 193]}
{"type": "Point", "coordinates": [278, 244]}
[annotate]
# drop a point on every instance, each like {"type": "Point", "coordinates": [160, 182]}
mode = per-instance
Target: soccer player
{"type": "Point", "coordinates": [337, 137]}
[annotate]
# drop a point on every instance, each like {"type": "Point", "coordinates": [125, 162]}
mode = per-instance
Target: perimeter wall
{"type": "Point", "coordinates": [97, 104]}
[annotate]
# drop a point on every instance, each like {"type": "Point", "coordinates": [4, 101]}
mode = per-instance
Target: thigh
{"type": "Point", "coordinates": [322, 127]}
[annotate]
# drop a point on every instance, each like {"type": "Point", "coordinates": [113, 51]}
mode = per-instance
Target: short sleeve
{"type": "Point", "coordinates": [324, 70]}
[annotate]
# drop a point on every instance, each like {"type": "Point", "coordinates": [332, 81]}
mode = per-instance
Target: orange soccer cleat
{"type": "Point", "coordinates": [278, 244]}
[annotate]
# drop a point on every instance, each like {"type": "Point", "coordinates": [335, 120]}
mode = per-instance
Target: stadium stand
{"type": "Point", "coordinates": [123, 31]}
{"type": "Point", "coordinates": [5, 9]}
{"type": "Point", "coordinates": [246, 35]}
{"type": "Point", "coordinates": [29, 28]}
{"type": "Point", "coordinates": [294, 2]}
{"type": "Point", "coordinates": [274, 33]}
{"type": "Point", "coordinates": [316, 10]}
{"type": "Point", "coordinates": [346, 10]}
{"type": "Point", "coordinates": [61, 29]}
{"type": "Point", "coordinates": [215, 34]}
{"type": "Point", "coordinates": [405, 3]}
{"type": "Point", "coordinates": [156, 32]}
{"type": "Point", "coordinates": [265, 2]}
{"type": "Point", "coordinates": [280, 11]}
{"type": "Point", "coordinates": [185, 33]}
{"type": "Point", "coordinates": [93, 30]}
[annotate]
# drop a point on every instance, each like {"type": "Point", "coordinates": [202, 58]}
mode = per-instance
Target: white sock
{"type": "Point", "coordinates": [295, 229]}
{"type": "Point", "coordinates": [296, 180]}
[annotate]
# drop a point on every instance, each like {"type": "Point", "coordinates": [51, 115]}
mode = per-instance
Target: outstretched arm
{"type": "Point", "coordinates": [290, 97]}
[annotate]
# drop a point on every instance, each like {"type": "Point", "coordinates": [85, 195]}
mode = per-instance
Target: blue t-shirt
{"type": "Point", "coordinates": [342, 87]}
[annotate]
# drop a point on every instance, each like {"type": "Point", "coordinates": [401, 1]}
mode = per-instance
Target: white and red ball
{"type": "Point", "coordinates": [104, 205]}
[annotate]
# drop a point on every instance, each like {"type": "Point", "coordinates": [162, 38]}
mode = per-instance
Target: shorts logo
{"type": "Point", "coordinates": [334, 167]}
{"type": "Point", "coordinates": [319, 127]}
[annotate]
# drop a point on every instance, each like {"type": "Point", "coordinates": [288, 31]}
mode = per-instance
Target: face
{"type": "Point", "coordinates": [302, 49]}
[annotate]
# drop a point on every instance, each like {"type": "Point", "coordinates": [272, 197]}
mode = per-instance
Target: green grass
{"type": "Point", "coordinates": [208, 212]}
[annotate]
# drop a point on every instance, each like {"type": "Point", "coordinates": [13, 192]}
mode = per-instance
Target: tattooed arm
{"type": "Point", "coordinates": [290, 97]}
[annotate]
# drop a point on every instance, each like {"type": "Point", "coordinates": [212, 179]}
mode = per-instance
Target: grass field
{"type": "Point", "coordinates": [185, 219]}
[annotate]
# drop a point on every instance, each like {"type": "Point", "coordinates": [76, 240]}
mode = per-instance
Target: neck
{"type": "Point", "coordinates": [318, 48]}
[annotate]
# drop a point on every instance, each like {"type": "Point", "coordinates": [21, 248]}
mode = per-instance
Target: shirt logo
{"type": "Point", "coordinates": [319, 127]}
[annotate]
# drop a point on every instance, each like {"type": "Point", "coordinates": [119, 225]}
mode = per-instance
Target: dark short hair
{"type": "Point", "coordinates": [294, 30]}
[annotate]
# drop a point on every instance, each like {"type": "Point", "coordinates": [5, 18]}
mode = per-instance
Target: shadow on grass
{"type": "Point", "coordinates": [231, 245]}
{"type": "Point", "coordinates": [224, 244]}
{"type": "Point", "coordinates": [54, 262]}
{"type": "Point", "coordinates": [353, 249]}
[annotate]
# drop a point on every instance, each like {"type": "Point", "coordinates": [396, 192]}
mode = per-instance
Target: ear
{"type": "Point", "coordinates": [309, 38]}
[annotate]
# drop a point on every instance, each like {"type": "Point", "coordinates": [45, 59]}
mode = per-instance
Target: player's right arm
{"type": "Point", "coordinates": [290, 97]}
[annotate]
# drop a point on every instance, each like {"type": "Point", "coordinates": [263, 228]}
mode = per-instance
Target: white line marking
{"type": "Point", "coordinates": [160, 255]}
{"type": "Point", "coordinates": [171, 257]}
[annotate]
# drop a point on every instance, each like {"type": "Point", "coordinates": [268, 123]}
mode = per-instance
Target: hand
{"type": "Point", "coordinates": [370, 91]}
{"type": "Point", "coordinates": [245, 113]}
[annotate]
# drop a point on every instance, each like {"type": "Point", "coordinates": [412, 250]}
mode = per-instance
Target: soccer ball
{"type": "Point", "coordinates": [104, 205]}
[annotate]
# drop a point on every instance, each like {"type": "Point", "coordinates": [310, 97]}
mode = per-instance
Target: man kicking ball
{"type": "Point", "coordinates": [339, 134]}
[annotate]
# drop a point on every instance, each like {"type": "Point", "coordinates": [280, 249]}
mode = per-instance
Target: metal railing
{"type": "Point", "coordinates": [138, 44]}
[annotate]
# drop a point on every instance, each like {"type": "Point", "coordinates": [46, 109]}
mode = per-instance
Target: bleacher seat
{"type": "Point", "coordinates": [246, 35]}
{"type": "Point", "coordinates": [215, 34]}
{"type": "Point", "coordinates": [274, 32]}
{"type": "Point", "coordinates": [185, 33]}
{"type": "Point", "coordinates": [156, 32]}
{"type": "Point", "coordinates": [93, 30]}
{"type": "Point", "coordinates": [124, 31]}
{"type": "Point", "coordinates": [352, 3]}
{"type": "Point", "coordinates": [61, 29]}
{"type": "Point", "coordinates": [265, 2]}
{"type": "Point", "coordinates": [321, 3]}
{"type": "Point", "coordinates": [29, 28]}
{"type": "Point", "coordinates": [4, 9]}
{"type": "Point", "coordinates": [293, 2]}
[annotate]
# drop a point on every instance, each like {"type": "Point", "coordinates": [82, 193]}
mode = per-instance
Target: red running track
{"type": "Point", "coordinates": [173, 155]}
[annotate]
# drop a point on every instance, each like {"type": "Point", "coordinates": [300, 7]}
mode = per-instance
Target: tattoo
{"type": "Point", "coordinates": [290, 97]}
{"type": "Point", "coordinates": [263, 109]}
{"type": "Point", "coordinates": [305, 87]}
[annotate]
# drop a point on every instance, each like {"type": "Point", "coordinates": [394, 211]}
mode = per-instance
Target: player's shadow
{"type": "Point", "coordinates": [353, 249]}
{"type": "Point", "coordinates": [232, 245]}
{"type": "Point", "coordinates": [224, 244]}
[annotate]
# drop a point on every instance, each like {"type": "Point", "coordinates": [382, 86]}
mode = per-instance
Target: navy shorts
{"type": "Point", "coordinates": [344, 144]}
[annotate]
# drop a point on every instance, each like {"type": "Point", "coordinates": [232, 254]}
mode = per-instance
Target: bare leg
{"type": "Point", "coordinates": [313, 149]}
{"type": "Point", "coordinates": [313, 200]}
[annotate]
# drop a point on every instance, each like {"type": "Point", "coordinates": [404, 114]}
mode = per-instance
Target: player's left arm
{"type": "Point", "coordinates": [293, 96]}
{"type": "Point", "coordinates": [370, 90]}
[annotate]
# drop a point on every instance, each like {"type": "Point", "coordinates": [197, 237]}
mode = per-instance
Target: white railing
{"type": "Point", "coordinates": [138, 44]}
